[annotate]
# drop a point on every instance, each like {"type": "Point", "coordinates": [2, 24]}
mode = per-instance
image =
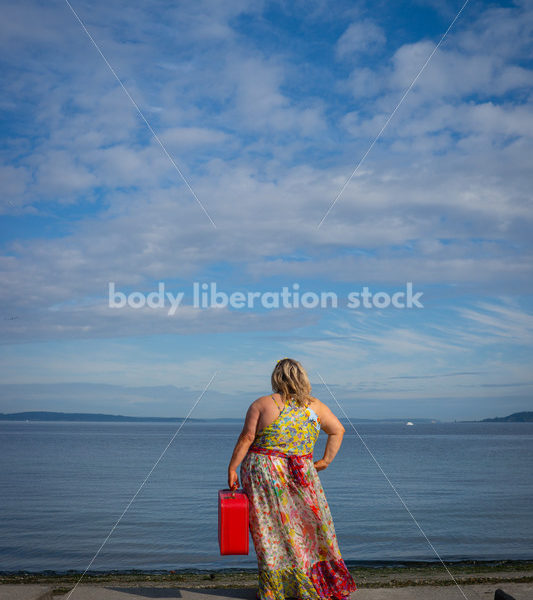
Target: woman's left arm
{"type": "Point", "coordinates": [244, 442]}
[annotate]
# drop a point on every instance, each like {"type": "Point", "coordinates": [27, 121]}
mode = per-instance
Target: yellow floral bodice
{"type": "Point", "coordinates": [294, 431]}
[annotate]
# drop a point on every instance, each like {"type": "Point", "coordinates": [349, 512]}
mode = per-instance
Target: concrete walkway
{"type": "Point", "coordinates": [26, 592]}
{"type": "Point", "coordinates": [520, 591]}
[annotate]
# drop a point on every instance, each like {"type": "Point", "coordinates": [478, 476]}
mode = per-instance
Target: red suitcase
{"type": "Point", "coordinates": [233, 523]}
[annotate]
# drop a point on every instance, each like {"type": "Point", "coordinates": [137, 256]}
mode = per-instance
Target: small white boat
{"type": "Point", "coordinates": [409, 423]}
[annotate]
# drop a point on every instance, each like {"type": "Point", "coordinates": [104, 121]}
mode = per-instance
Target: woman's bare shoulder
{"type": "Point", "coordinates": [315, 404]}
{"type": "Point", "coordinates": [265, 400]}
{"type": "Point", "coordinates": [330, 423]}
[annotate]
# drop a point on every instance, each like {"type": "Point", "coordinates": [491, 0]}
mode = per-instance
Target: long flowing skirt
{"type": "Point", "coordinates": [293, 533]}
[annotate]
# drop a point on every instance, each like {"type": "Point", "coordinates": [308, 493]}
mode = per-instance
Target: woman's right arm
{"type": "Point", "coordinates": [335, 430]}
{"type": "Point", "coordinates": [246, 439]}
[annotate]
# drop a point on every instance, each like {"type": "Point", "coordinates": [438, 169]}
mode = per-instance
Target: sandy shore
{"type": "Point", "coordinates": [414, 574]}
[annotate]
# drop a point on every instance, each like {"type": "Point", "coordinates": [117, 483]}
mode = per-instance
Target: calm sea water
{"type": "Point", "coordinates": [64, 485]}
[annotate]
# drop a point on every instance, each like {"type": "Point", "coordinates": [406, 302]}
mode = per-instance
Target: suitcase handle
{"type": "Point", "coordinates": [233, 488]}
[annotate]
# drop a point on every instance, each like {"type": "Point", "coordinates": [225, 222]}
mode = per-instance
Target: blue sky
{"type": "Point", "coordinates": [266, 108]}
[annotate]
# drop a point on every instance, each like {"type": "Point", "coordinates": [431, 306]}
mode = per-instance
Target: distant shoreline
{"type": "Point", "coordinates": [50, 416]}
{"type": "Point", "coordinates": [102, 417]}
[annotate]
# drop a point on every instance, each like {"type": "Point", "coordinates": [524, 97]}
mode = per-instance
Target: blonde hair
{"type": "Point", "coordinates": [290, 380]}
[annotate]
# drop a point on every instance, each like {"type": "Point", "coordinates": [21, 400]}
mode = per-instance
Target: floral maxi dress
{"type": "Point", "coordinates": [290, 521]}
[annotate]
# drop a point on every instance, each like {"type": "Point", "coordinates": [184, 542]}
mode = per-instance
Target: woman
{"type": "Point", "coordinates": [294, 537]}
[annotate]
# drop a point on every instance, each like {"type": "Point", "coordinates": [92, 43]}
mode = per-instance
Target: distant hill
{"type": "Point", "coordinates": [62, 416]}
{"type": "Point", "coordinates": [519, 417]}
{"type": "Point", "coordinates": [100, 417]}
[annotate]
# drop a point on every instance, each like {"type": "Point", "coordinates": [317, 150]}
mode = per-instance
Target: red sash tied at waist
{"type": "Point", "coordinates": [297, 464]}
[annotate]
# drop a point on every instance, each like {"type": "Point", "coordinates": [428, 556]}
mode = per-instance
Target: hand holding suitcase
{"type": "Point", "coordinates": [233, 521]}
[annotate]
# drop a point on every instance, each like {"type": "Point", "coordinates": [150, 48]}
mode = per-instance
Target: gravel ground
{"type": "Point", "coordinates": [468, 574]}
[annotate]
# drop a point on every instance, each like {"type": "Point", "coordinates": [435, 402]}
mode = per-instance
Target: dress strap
{"type": "Point", "coordinates": [281, 409]}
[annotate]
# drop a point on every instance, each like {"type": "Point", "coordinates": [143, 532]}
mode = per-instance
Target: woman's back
{"type": "Point", "coordinates": [294, 431]}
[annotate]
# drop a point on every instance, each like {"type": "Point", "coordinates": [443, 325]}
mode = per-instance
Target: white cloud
{"type": "Point", "coordinates": [360, 37]}
{"type": "Point", "coordinates": [15, 181]}
{"type": "Point", "coordinates": [178, 137]}
{"type": "Point", "coordinates": [258, 103]}
{"type": "Point", "coordinates": [452, 74]}
{"type": "Point", "coordinates": [498, 323]}
{"type": "Point", "coordinates": [60, 175]}
{"type": "Point", "coordinates": [363, 82]}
